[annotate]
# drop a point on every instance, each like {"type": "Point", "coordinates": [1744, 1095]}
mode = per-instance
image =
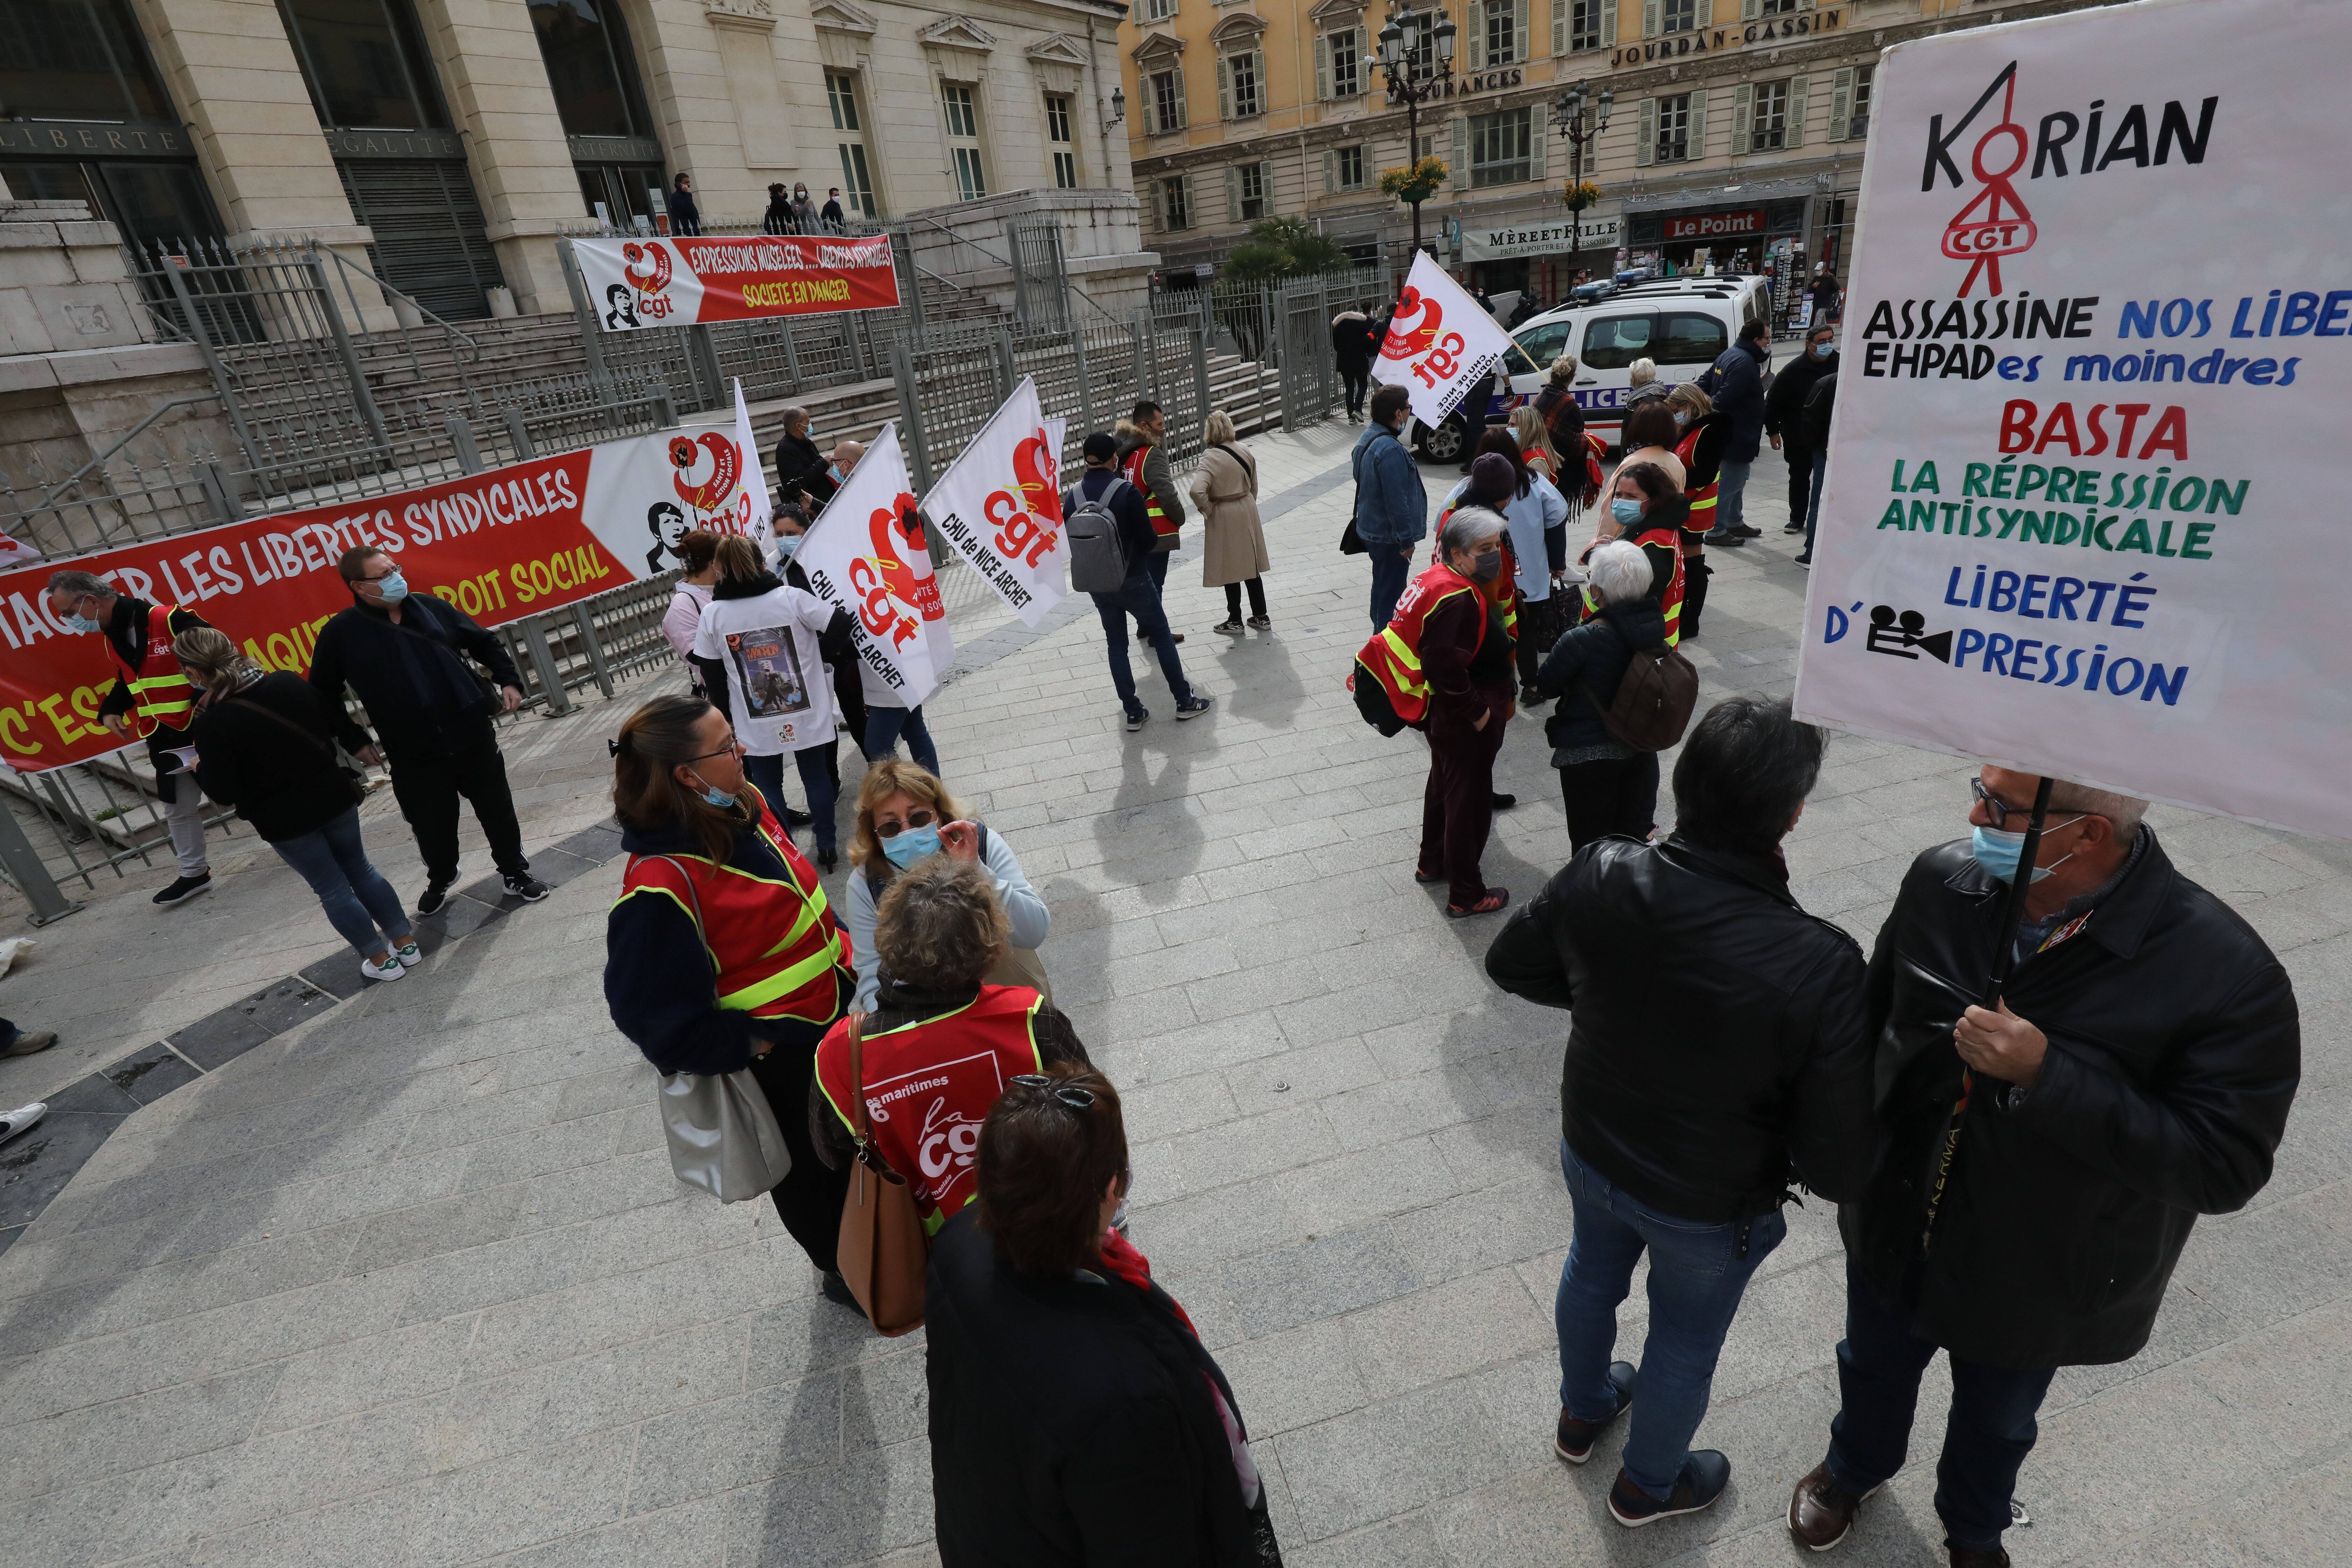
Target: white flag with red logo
{"type": "Point", "coordinates": [755, 510]}
{"type": "Point", "coordinates": [1439, 345]}
{"type": "Point", "coordinates": [867, 555]}
{"type": "Point", "coordinates": [998, 505]}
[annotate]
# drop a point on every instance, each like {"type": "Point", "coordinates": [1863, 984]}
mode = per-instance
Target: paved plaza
{"type": "Point", "coordinates": [409, 1284]}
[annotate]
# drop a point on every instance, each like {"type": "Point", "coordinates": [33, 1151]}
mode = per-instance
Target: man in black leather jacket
{"type": "Point", "coordinates": [2137, 1074]}
{"type": "Point", "coordinates": [1718, 1055]}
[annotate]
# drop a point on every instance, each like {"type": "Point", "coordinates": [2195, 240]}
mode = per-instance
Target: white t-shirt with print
{"type": "Point", "coordinates": [777, 688]}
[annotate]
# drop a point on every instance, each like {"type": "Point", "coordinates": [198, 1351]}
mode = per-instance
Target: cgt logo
{"type": "Point", "coordinates": [1027, 517]}
{"type": "Point", "coordinates": [1994, 223]}
{"type": "Point", "coordinates": [648, 272]}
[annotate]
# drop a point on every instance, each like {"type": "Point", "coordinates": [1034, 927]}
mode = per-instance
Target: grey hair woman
{"type": "Point", "coordinates": [1608, 788]}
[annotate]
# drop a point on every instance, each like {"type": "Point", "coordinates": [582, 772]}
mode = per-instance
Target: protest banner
{"type": "Point", "coordinates": [675, 281]}
{"type": "Point", "coordinates": [1439, 345]}
{"type": "Point", "coordinates": [866, 554]}
{"type": "Point", "coordinates": [2070, 523]}
{"type": "Point", "coordinates": [500, 545]}
{"type": "Point", "coordinates": [998, 505]}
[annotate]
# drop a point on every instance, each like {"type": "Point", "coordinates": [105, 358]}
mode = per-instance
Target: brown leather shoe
{"type": "Point", "coordinates": [1820, 1511]}
{"type": "Point", "coordinates": [1971, 1557]}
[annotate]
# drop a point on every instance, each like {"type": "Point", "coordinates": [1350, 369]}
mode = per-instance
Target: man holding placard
{"type": "Point", "coordinates": [2042, 1161]}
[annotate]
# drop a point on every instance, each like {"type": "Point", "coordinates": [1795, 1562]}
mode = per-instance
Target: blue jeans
{"type": "Point", "coordinates": [1391, 565]}
{"type": "Point", "coordinates": [767, 775]}
{"type": "Point", "coordinates": [1139, 596]}
{"type": "Point", "coordinates": [358, 900]}
{"type": "Point", "coordinates": [1813, 504]}
{"type": "Point", "coordinates": [1697, 1275]}
{"type": "Point", "coordinates": [1731, 486]}
{"type": "Point", "coordinates": [1986, 1437]}
{"type": "Point", "coordinates": [885, 725]}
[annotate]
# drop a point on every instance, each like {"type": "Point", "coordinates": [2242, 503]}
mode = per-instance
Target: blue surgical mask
{"type": "Point", "coordinates": [1999, 852]}
{"type": "Point", "coordinates": [1824, 350]}
{"type": "Point", "coordinates": [1681, 418]}
{"type": "Point", "coordinates": [81, 624]}
{"type": "Point", "coordinates": [786, 544]}
{"type": "Point", "coordinates": [1626, 512]}
{"type": "Point", "coordinates": [718, 797]}
{"type": "Point", "coordinates": [910, 845]}
{"type": "Point", "coordinates": [392, 586]}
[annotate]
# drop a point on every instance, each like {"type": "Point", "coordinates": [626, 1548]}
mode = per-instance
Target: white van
{"type": "Point", "coordinates": [1682, 325]}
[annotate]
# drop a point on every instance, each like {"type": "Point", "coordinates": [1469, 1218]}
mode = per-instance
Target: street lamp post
{"type": "Point", "coordinates": [1413, 85]}
{"type": "Point", "coordinates": [1568, 115]}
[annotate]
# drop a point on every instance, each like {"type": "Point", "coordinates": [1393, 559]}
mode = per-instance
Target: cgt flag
{"type": "Point", "coordinates": [866, 554]}
{"type": "Point", "coordinates": [1000, 505]}
{"type": "Point", "coordinates": [1439, 345]}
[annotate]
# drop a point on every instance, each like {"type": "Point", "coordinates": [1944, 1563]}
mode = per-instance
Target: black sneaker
{"type": "Point", "coordinates": [435, 894]}
{"type": "Point", "coordinates": [828, 860]}
{"type": "Point", "coordinates": [1135, 719]}
{"type": "Point", "coordinates": [1793, 528]}
{"type": "Point", "coordinates": [793, 816]}
{"type": "Point", "coordinates": [524, 886]}
{"type": "Point", "coordinates": [182, 888]}
{"type": "Point", "coordinates": [1747, 531]}
{"type": "Point", "coordinates": [1503, 802]}
{"type": "Point", "coordinates": [1704, 1475]}
{"type": "Point", "coordinates": [1193, 710]}
{"type": "Point", "coordinates": [1805, 560]}
{"type": "Point", "coordinates": [1574, 1440]}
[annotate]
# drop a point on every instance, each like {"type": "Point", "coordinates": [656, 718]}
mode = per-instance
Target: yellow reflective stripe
{"type": "Point", "coordinates": [154, 680]}
{"type": "Point", "coordinates": [683, 909]}
{"type": "Point", "coordinates": [759, 993]}
{"type": "Point", "coordinates": [1403, 650]}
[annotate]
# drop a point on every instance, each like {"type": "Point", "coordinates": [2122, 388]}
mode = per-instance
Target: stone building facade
{"type": "Point", "coordinates": [450, 142]}
{"type": "Point", "coordinates": [1735, 124]}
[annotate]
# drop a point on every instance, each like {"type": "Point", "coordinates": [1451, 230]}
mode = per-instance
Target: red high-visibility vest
{"type": "Point", "coordinates": [773, 945]}
{"type": "Point", "coordinates": [1393, 656]}
{"type": "Point", "coordinates": [929, 1085]}
{"type": "Point", "coordinates": [1670, 603]}
{"type": "Point", "coordinates": [1131, 468]}
{"type": "Point", "coordinates": [164, 697]}
{"type": "Point", "coordinates": [1702, 503]}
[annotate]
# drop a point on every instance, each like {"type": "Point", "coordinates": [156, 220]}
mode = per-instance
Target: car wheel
{"type": "Point", "coordinates": [1443, 444]}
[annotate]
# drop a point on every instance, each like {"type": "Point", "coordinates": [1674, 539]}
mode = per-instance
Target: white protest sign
{"type": "Point", "coordinates": [866, 555]}
{"type": "Point", "coordinates": [1000, 506]}
{"type": "Point", "coordinates": [2074, 518]}
{"type": "Point", "coordinates": [1439, 345]}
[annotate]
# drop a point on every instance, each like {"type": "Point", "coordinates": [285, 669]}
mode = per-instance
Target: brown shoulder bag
{"type": "Point", "coordinates": [882, 1252]}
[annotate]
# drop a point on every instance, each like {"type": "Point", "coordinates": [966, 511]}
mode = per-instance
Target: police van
{"type": "Point", "coordinates": [1681, 324]}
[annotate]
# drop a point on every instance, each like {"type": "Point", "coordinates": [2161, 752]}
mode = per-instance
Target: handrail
{"type": "Point", "coordinates": [473, 349]}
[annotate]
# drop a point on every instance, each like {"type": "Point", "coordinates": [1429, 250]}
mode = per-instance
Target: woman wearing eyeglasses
{"type": "Point", "coordinates": [940, 1043]}
{"type": "Point", "coordinates": [1076, 1416]}
{"type": "Point", "coordinates": [721, 953]}
{"type": "Point", "coordinates": [904, 817]}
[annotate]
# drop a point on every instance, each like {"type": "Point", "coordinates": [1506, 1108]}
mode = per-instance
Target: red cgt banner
{"type": "Point", "coordinates": [676, 282]}
{"type": "Point", "coordinates": [500, 545]}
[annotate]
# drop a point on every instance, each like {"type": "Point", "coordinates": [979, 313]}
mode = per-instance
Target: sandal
{"type": "Point", "coordinates": [1494, 899]}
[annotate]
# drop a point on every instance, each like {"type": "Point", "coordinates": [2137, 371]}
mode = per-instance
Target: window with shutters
{"type": "Point", "coordinates": [1677, 16]}
{"type": "Point", "coordinates": [1420, 45]}
{"type": "Point", "coordinates": [1166, 101]}
{"type": "Point", "coordinates": [1501, 148]}
{"type": "Point", "coordinates": [1158, 10]}
{"type": "Point", "coordinates": [1245, 76]}
{"type": "Point", "coordinates": [1502, 32]}
{"type": "Point", "coordinates": [964, 139]}
{"type": "Point", "coordinates": [849, 141]}
{"type": "Point", "coordinates": [1584, 23]}
{"type": "Point", "coordinates": [1250, 184]}
{"type": "Point", "coordinates": [1784, 7]}
{"type": "Point", "coordinates": [1673, 144]}
{"type": "Point", "coordinates": [1176, 202]}
{"type": "Point", "coordinates": [1347, 64]}
{"type": "Point", "coordinates": [1348, 167]}
{"type": "Point", "coordinates": [1767, 120]}
{"type": "Point", "coordinates": [1057, 140]}
{"type": "Point", "coordinates": [1858, 118]}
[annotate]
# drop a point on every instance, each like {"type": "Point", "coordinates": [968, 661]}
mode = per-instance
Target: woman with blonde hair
{"type": "Point", "coordinates": [264, 743]}
{"type": "Point", "coordinates": [1225, 489]}
{"type": "Point", "coordinates": [1535, 442]}
{"type": "Point", "coordinates": [904, 816]}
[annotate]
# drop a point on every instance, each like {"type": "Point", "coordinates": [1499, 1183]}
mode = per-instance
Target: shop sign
{"type": "Point", "coordinates": [1712, 40]}
{"type": "Point", "coordinates": [1500, 242]}
{"type": "Point", "coordinates": [1716, 226]}
{"type": "Point", "coordinates": [1476, 82]}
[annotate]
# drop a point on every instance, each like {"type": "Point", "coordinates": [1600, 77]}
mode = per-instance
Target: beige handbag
{"type": "Point", "coordinates": [882, 1251]}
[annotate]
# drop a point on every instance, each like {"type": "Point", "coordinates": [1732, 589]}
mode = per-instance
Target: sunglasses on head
{"type": "Point", "coordinates": [1069, 1094]}
{"type": "Point", "coordinates": [916, 818]}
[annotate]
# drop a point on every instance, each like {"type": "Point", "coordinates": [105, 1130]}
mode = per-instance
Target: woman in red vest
{"type": "Point", "coordinates": [1701, 451]}
{"type": "Point", "coordinates": [940, 1044]}
{"type": "Point", "coordinates": [721, 951]}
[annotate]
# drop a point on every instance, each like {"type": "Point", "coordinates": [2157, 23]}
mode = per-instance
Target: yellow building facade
{"type": "Point", "coordinates": [1735, 137]}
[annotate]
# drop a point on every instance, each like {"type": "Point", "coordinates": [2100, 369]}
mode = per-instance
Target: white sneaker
{"type": "Point", "coordinates": [389, 968]}
{"type": "Point", "coordinates": [409, 953]}
{"type": "Point", "coordinates": [22, 1117]}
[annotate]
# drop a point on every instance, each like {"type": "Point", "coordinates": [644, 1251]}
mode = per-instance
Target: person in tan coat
{"type": "Point", "coordinates": [1233, 555]}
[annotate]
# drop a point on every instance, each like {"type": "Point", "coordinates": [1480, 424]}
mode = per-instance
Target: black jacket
{"type": "Point", "coordinates": [1784, 403]}
{"type": "Point", "coordinates": [1589, 661]}
{"type": "Point", "coordinates": [685, 217]}
{"type": "Point", "coordinates": [1718, 1050]}
{"type": "Point", "coordinates": [658, 982]}
{"type": "Point", "coordinates": [1071, 1422]}
{"type": "Point", "coordinates": [1736, 383]}
{"type": "Point", "coordinates": [798, 462]}
{"type": "Point", "coordinates": [1352, 344]}
{"type": "Point", "coordinates": [778, 218]}
{"type": "Point", "coordinates": [281, 785]}
{"type": "Point", "coordinates": [1821, 402]}
{"type": "Point", "coordinates": [2174, 1053]}
{"type": "Point", "coordinates": [413, 678]}
{"type": "Point", "coordinates": [831, 215]}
